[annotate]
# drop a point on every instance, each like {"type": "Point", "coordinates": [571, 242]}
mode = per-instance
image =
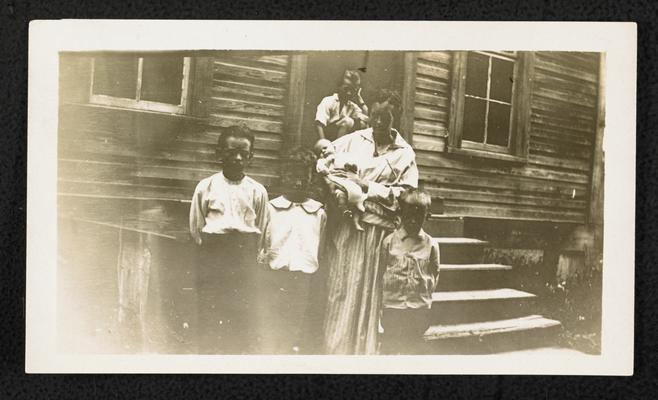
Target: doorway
{"type": "Point", "coordinates": [325, 69]}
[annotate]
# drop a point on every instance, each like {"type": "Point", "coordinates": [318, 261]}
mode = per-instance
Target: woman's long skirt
{"type": "Point", "coordinates": [354, 290]}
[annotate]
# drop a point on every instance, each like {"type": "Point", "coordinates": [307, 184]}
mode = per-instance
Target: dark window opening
{"type": "Point", "coordinates": [488, 99]}
{"type": "Point", "coordinates": [150, 82]}
{"type": "Point", "coordinates": [162, 78]}
{"type": "Point", "coordinates": [116, 76]}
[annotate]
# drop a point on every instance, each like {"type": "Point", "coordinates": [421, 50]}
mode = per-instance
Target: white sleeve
{"type": "Point", "coordinates": [198, 210]}
{"type": "Point", "coordinates": [323, 112]}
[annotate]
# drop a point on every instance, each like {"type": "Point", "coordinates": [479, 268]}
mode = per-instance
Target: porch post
{"type": "Point", "coordinates": [596, 187]}
{"type": "Point", "coordinates": [295, 100]}
{"type": "Point", "coordinates": [408, 96]}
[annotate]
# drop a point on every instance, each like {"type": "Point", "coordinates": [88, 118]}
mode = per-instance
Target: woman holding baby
{"type": "Point", "coordinates": [385, 166]}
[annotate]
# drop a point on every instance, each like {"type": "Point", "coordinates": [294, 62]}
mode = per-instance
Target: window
{"type": "Point", "coordinates": [147, 82]}
{"type": "Point", "coordinates": [490, 104]}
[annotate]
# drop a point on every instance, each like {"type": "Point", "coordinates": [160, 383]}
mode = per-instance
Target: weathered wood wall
{"type": "Point", "coordinates": [116, 153]}
{"type": "Point", "coordinates": [130, 174]}
{"type": "Point", "coordinates": [250, 90]}
{"type": "Point", "coordinates": [553, 184]}
{"type": "Point", "coordinates": [119, 153]}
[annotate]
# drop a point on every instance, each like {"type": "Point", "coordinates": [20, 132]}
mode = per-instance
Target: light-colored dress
{"type": "Point", "coordinates": [293, 235]}
{"type": "Point", "coordinates": [355, 285]}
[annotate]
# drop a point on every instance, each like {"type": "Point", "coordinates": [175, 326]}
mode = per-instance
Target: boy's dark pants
{"type": "Point", "coordinates": [226, 285]}
{"type": "Point", "coordinates": [403, 330]}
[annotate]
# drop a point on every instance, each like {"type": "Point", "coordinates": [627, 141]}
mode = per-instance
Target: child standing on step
{"type": "Point", "coordinates": [290, 259]}
{"type": "Point", "coordinates": [227, 215]}
{"type": "Point", "coordinates": [410, 259]}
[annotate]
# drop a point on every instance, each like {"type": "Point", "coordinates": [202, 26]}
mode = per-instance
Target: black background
{"type": "Point", "coordinates": [14, 383]}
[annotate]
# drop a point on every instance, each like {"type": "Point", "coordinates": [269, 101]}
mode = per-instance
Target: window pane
{"type": "Point", "coordinates": [115, 76]}
{"type": "Point", "coordinates": [474, 113]}
{"type": "Point", "coordinates": [498, 127]}
{"type": "Point", "coordinates": [502, 75]}
{"type": "Point", "coordinates": [162, 78]}
{"type": "Point", "coordinates": [477, 70]}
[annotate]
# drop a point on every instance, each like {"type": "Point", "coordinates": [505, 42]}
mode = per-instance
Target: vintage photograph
{"type": "Point", "coordinates": [263, 197]}
{"type": "Point", "coordinates": [362, 202]}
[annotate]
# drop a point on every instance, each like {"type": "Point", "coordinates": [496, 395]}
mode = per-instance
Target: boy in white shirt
{"type": "Point", "coordinates": [227, 215]}
{"type": "Point", "coordinates": [290, 258]}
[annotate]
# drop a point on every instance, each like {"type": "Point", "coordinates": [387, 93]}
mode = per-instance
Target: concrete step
{"type": "Point", "coordinates": [492, 336]}
{"type": "Point", "coordinates": [461, 250]}
{"type": "Point", "coordinates": [464, 306]}
{"type": "Point", "coordinates": [444, 226]}
{"type": "Point", "coordinates": [456, 241]}
{"type": "Point", "coordinates": [472, 276]}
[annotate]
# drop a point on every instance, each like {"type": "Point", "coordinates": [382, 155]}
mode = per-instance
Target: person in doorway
{"type": "Point", "coordinates": [387, 165]}
{"type": "Point", "coordinates": [410, 259]}
{"type": "Point", "coordinates": [290, 258]}
{"type": "Point", "coordinates": [344, 111]}
{"type": "Point", "coordinates": [227, 215]}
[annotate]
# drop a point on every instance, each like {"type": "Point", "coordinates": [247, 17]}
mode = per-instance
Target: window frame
{"type": "Point", "coordinates": [517, 151]}
{"type": "Point", "coordinates": [145, 105]}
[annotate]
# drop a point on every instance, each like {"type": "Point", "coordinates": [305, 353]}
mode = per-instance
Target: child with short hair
{"type": "Point", "coordinates": [410, 258]}
{"type": "Point", "coordinates": [292, 242]}
{"type": "Point", "coordinates": [349, 196]}
{"type": "Point", "coordinates": [227, 215]}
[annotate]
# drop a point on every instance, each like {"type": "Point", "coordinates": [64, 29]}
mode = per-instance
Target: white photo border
{"type": "Point", "coordinates": [617, 40]}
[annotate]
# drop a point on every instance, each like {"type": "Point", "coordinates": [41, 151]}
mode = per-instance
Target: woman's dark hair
{"type": "Point", "coordinates": [391, 97]}
{"type": "Point", "coordinates": [238, 132]}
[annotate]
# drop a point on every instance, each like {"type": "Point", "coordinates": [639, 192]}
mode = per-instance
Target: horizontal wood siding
{"type": "Point", "coordinates": [554, 182]}
{"type": "Point", "coordinates": [431, 101]}
{"type": "Point", "coordinates": [250, 90]}
{"type": "Point", "coordinates": [117, 153]}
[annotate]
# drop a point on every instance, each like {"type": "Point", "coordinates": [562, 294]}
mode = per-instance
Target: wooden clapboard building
{"type": "Point", "coordinates": [507, 143]}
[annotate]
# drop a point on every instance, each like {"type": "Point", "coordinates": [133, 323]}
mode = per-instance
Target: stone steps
{"type": "Point", "coordinates": [461, 250]}
{"type": "Point", "coordinates": [474, 310]}
{"type": "Point", "coordinates": [479, 305]}
{"type": "Point", "coordinates": [484, 328]}
{"type": "Point", "coordinates": [493, 336]}
{"type": "Point", "coordinates": [472, 276]}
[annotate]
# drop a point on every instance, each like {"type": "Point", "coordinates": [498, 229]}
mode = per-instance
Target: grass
{"type": "Point", "coordinates": [568, 288]}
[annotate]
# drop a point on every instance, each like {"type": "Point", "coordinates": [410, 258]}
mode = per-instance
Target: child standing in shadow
{"type": "Point", "coordinates": [290, 259]}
